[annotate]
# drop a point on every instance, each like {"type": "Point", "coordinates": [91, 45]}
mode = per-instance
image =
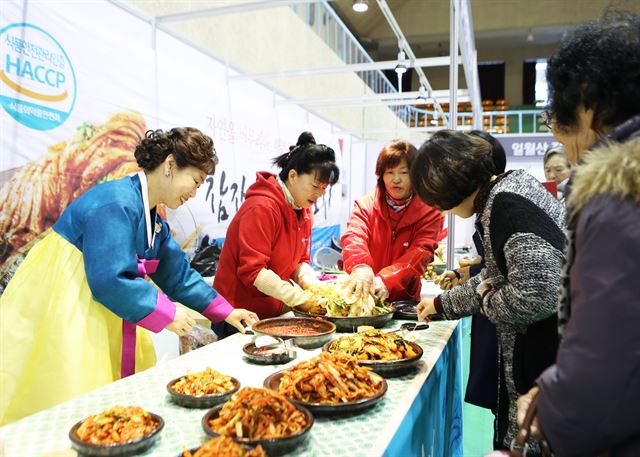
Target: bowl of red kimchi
{"type": "Point", "coordinates": [223, 446]}
{"type": "Point", "coordinates": [329, 384]}
{"type": "Point", "coordinates": [117, 431]}
{"type": "Point", "coordinates": [255, 416]}
{"type": "Point", "coordinates": [203, 389]}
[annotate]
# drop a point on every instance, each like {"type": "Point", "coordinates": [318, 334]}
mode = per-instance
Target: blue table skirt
{"type": "Point", "coordinates": [433, 424]}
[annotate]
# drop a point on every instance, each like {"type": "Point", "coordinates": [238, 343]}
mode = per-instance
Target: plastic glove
{"type": "Point", "coordinates": [381, 290]}
{"type": "Point", "coordinates": [240, 318]}
{"type": "Point", "coordinates": [305, 276]}
{"type": "Point", "coordinates": [361, 281]}
{"type": "Point", "coordinates": [450, 279]}
{"type": "Point", "coordinates": [271, 284]}
{"type": "Point", "coordinates": [447, 280]}
{"type": "Point", "coordinates": [426, 308]}
{"type": "Point", "coordinates": [182, 322]}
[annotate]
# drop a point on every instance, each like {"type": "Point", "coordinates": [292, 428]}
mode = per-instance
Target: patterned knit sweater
{"type": "Point", "coordinates": [522, 227]}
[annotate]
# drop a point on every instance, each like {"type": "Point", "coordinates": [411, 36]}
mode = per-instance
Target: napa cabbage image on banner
{"type": "Point", "coordinates": [77, 98]}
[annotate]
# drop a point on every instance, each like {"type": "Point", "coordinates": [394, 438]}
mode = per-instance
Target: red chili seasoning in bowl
{"type": "Point", "coordinates": [293, 330]}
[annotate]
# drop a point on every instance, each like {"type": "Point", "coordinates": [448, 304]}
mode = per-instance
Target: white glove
{"type": "Point", "coordinates": [240, 318]}
{"type": "Point", "coordinates": [381, 290]}
{"type": "Point", "coordinates": [360, 281]}
{"type": "Point", "coordinates": [305, 275]}
{"type": "Point", "coordinates": [271, 284]}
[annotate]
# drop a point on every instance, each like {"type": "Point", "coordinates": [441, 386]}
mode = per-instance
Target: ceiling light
{"type": "Point", "coordinates": [401, 67]}
{"type": "Point", "coordinates": [422, 93]}
{"type": "Point", "coordinates": [530, 36]}
{"type": "Point", "coordinates": [360, 6]}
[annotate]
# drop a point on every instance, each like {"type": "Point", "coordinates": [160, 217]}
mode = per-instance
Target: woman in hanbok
{"type": "Point", "coordinates": [78, 311]}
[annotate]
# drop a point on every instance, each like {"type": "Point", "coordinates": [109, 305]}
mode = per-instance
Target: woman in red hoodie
{"type": "Point", "coordinates": [267, 243]}
{"type": "Point", "coordinates": [391, 235]}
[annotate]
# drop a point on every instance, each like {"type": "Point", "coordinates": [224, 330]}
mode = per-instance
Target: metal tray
{"type": "Point", "coordinates": [272, 382]}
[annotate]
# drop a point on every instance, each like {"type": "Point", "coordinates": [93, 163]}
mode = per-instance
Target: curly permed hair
{"type": "Point", "coordinates": [189, 146]}
{"type": "Point", "coordinates": [597, 67]}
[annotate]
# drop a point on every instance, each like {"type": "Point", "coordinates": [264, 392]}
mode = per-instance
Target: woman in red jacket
{"type": "Point", "coordinates": [391, 235]}
{"type": "Point", "coordinates": [267, 243]}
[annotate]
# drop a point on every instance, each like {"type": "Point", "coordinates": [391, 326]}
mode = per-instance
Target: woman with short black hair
{"type": "Point", "coordinates": [521, 225]}
{"type": "Point", "coordinates": [483, 350]}
{"type": "Point", "coordinates": [268, 240]}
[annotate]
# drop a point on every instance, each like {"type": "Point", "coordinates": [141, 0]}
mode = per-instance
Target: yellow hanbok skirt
{"type": "Point", "coordinates": [56, 341]}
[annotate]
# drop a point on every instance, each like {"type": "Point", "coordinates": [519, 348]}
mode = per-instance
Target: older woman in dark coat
{"type": "Point", "coordinates": [589, 401]}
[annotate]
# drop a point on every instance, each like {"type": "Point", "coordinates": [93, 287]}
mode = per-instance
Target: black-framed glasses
{"type": "Point", "coordinates": [547, 119]}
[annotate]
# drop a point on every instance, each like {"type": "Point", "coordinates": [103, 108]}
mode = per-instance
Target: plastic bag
{"type": "Point", "coordinates": [198, 337]}
{"type": "Point", "coordinates": [206, 256]}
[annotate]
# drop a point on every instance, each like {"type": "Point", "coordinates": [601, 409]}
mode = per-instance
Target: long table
{"type": "Point", "coordinates": [421, 414]}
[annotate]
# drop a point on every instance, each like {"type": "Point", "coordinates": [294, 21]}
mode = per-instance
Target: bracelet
{"type": "Point", "coordinates": [458, 274]}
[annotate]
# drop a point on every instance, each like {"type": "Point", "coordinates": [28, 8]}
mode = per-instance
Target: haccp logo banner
{"type": "Point", "coordinates": [37, 81]}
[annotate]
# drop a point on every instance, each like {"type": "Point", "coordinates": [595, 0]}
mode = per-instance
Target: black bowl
{"type": "Point", "coordinates": [351, 324]}
{"type": "Point", "coordinates": [406, 309]}
{"type": "Point", "coordinates": [204, 401]}
{"type": "Point", "coordinates": [272, 382]}
{"type": "Point", "coordinates": [194, 449]}
{"type": "Point", "coordinates": [249, 350]}
{"type": "Point", "coordinates": [390, 368]}
{"type": "Point", "coordinates": [276, 327]}
{"type": "Point", "coordinates": [131, 447]}
{"type": "Point", "coordinates": [272, 446]}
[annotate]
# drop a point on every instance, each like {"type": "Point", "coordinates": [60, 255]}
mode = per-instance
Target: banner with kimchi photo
{"type": "Point", "coordinates": [77, 97]}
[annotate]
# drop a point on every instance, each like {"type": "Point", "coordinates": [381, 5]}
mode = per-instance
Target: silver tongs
{"type": "Point", "coordinates": [410, 327]}
{"type": "Point", "coordinates": [270, 345]}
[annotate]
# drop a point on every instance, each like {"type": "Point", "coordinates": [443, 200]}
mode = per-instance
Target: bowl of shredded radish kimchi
{"type": "Point", "coordinates": [255, 416]}
{"type": "Point", "coordinates": [329, 384]}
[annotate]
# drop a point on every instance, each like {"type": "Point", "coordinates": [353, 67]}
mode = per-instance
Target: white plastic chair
{"type": "Point", "coordinates": [327, 258]}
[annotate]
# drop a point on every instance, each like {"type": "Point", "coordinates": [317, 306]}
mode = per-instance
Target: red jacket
{"type": "Point", "coordinates": [397, 247]}
{"type": "Point", "coordinates": [265, 233]}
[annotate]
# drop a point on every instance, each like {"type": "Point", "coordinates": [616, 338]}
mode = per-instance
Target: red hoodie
{"type": "Point", "coordinates": [397, 246]}
{"type": "Point", "coordinates": [265, 233]}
